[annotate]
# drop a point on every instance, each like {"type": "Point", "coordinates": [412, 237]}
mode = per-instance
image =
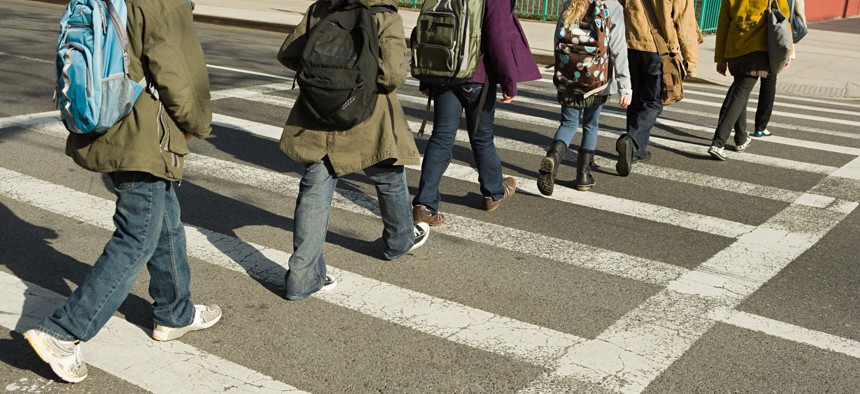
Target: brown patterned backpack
{"type": "Point", "coordinates": [582, 50]}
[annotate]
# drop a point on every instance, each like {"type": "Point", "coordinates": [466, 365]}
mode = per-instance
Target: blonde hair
{"type": "Point", "coordinates": [575, 10]}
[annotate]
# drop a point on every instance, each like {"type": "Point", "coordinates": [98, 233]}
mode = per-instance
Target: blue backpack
{"type": "Point", "coordinates": [94, 91]}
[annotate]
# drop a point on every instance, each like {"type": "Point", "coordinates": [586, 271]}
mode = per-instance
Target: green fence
{"type": "Point", "coordinates": [707, 11]}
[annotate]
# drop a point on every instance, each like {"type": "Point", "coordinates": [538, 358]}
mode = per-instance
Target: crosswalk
{"type": "Point", "coordinates": [625, 356]}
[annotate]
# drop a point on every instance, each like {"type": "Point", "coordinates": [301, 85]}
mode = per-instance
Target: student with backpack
{"type": "Point", "coordinates": [505, 61]}
{"type": "Point", "coordinates": [352, 124]}
{"type": "Point", "coordinates": [143, 154]}
{"type": "Point", "coordinates": [591, 64]}
{"type": "Point", "coordinates": [647, 22]}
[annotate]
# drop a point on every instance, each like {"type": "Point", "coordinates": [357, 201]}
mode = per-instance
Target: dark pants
{"type": "Point", "coordinates": [450, 103]}
{"type": "Point", "coordinates": [647, 104]}
{"type": "Point", "coordinates": [766, 97]}
{"type": "Point", "coordinates": [733, 107]}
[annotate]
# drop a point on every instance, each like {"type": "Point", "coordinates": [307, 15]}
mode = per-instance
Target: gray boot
{"type": "Point", "coordinates": [549, 167]}
{"type": "Point", "coordinates": [584, 161]}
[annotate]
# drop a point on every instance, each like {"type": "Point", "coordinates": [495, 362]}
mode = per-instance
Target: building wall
{"type": "Point", "coordinates": [820, 10]}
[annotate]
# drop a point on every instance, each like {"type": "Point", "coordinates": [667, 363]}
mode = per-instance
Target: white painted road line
{"type": "Point", "coordinates": [141, 358]}
{"type": "Point", "coordinates": [664, 215]}
{"type": "Point", "coordinates": [641, 210]}
{"type": "Point", "coordinates": [781, 114]}
{"type": "Point", "coordinates": [751, 109]}
{"type": "Point", "coordinates": [430, 315]}
{"type": "Point", "coordinates": [257, 94]}
{"type": "Point", "coordinates": [790, 332]}
{"type": "Point", "coordinates": [518, 241]}
{"type": "Point", "coordinates": [632, 352]}
{"type": "Point", "coordinates": [707, 130]}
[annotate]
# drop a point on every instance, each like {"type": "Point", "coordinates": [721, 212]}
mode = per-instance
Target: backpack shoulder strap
{"type": "Point", "coordinates": [377, 9]}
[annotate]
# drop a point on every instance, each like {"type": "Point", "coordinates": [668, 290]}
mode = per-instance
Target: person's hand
{"type": "Point", "coordinates": [787, 64]}
{"type": "Point", "coordinates": [426, 91]}
{"type": "Point", "coordinates": [625, 100]}
{"type": "Point", "coordinates": [188, 137]}
{"type": "Point", "coordinates": [721, 68]}
{"type": "Point", "coordinates": [507, 99]}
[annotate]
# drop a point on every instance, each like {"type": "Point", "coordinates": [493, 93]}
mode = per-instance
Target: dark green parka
{"type": "Point", "coordinates": [384, 135]}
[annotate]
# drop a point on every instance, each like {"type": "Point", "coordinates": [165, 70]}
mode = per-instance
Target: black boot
{"type": "Point", "coordinates": [549, 167]}
{"type": "Point", "coordinates": [584, 161]}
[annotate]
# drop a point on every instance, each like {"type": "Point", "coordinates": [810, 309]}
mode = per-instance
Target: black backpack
{"type": "Point", "coordinates": [339, 67]}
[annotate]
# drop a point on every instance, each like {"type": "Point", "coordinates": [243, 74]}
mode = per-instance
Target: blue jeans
{"type": "Point", "coordinates": [450, 102]}
{"type": "Point", "coordinates": [570, 118]}
{"type": "Point", "coordinates": [148, 232]}
{"type": "Point", "coordinates": [647, 103]}
{"type": "Point", "coordinates": [307, 265]}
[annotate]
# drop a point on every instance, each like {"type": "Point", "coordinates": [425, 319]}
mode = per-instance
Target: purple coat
{"type": "Point", "coordinates": [507, 55]}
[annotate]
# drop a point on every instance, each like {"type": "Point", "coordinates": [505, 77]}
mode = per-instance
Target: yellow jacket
{"type": "Point", "coordinates": [742, 27]}
{"type": "Point", "coordinates": [676, 23]}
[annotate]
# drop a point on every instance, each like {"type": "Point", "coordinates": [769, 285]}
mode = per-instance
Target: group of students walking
{"type": "Point", "coordinates": [144, 153]}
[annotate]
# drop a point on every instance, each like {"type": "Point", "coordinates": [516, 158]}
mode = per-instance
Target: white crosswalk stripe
{"type": "Point", "coordinates": [625, 357]}
{"type": "Point", "coordinates": [18, 311]}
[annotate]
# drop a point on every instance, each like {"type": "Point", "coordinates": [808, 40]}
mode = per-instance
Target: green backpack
{"type": "Point", "coordinates": [446, 41]}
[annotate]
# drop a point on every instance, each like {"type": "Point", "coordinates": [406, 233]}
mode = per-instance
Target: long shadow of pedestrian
{"type": "Point", "coordinates": [29, 255]}
{"type": "Point", "coordinates": [217, 216]}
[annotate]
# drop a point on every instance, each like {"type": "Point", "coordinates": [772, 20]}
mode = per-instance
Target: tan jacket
{"type": "Point", "coordinates": [676, 23]}
{"type": "Point", "coordinates": [151, 138]}
{"type": "Point", "coordinates": [742, 27]}
{"type": "Point", "coordinates": [384, 135]}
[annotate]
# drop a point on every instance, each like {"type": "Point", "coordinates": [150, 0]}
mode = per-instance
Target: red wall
{"type": "Point", "coordinates": [819, 10]}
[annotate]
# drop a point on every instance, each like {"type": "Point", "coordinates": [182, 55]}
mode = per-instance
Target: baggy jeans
{"type": "Point", "coordinates": [148, 232]}
{"type": "Point", "coordinates": [307, 269]}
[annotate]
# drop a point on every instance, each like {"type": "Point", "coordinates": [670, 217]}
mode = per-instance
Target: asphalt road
{"type": "Point", "coordinates": [690, 275]}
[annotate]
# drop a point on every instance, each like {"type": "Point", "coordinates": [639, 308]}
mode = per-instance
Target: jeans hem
{"type": "Point", "coordinates": [55, 334]}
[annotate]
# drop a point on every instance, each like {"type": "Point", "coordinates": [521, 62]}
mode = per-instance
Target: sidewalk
{"type": "Point", "coordinates": [828, 56]}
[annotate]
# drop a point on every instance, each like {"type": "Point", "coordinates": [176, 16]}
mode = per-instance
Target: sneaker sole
{"type": "Point", "coordinates": [546, 181]}
{"type": "Point", "coordinates": [420, 243]}
{"type": "Point", "coordinates": [716, 156]}
{"type": "Point", "coordinates": [35, 344]}
{"type": "Point", "coordinates": [625, 157]}
{"type": "Point", "coordinates": [176, 333]}
{"type": "Point", "coordinates": [584, 188]}
{"type": "Point", "coordinates": [327, 288]}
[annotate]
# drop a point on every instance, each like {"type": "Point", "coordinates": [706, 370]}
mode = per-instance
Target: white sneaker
{"type": "Point", "coordinates": [717, 153]}
{"type": "Point", "coordinates": [421, 232]}
{"type": "Point", "coordinates": [65, 357]}
{"type": "Point", "coordinates": [330, 283]}
{"type": "Point", "coordinates": [744, 146]}
{"type": "Point", "coordinates": [205, 316]}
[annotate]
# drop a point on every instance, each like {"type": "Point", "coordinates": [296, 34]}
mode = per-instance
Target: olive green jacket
{"type": "Point", "coordinates": [152, 137]}
{"type": "Point", "coordinates": [385, 135]}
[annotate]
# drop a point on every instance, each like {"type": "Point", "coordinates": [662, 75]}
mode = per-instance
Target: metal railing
{"type": "Point", "coordinates": [707, 11]}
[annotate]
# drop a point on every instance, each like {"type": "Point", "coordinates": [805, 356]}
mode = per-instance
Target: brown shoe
{"type": "Point", "coordinates": [422, 214]}
{"type": "Point", "coordinates": [510, 185]}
